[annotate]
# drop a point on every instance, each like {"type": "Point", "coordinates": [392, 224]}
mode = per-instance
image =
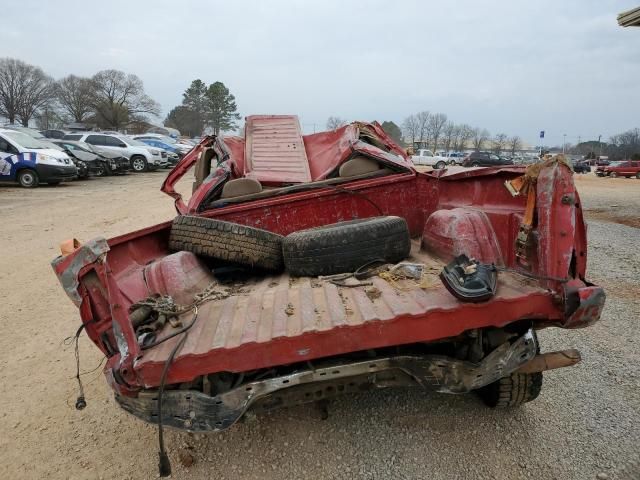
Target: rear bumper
{"type": "Point", "coordinates": [195, 411]}
{"type": "Point", "coordinates": [583, 306]}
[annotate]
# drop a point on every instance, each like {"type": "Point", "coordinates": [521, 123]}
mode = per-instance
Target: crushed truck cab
{"type": "Point", "coordinates": [201, 320]}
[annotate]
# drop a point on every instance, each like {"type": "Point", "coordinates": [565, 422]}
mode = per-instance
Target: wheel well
{"type": "Point", "coordinates": [22, 169]}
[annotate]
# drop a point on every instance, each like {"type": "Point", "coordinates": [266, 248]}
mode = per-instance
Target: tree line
{"type": "Point", "coordinates": [436, 131]}
{"type": "Point", "coordinates": [110, 99]}
{"type": "Point", "coordinates": [621, 146]}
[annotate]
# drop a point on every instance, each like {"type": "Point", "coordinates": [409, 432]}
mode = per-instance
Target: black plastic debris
{"type": "Point", "coordinates": [469, 280]}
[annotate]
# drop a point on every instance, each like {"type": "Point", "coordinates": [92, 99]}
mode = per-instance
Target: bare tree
{"type": "Point", "coordinates": [12, 72]}
{"type": "Point", "coordinates": [423, 126]}
{"type": "Point", "coordinates": [465, 133]}
{"type": "Point", "coordinates": [411, 129]}
{"type": "Point", "coordinates": [499, 142]}
{"type": "Point", "coordinates": [334, 123]}
{"type": "Point", "coordinates": [434, 127]}
{"type": "Point", "coordinates": [449, 134]}
{"type": "Point", "coordinates": [120, 98]}
{"type": "Point", "coordinates": [24, 89]}
{"type": "Point", "coordinates": [49, 117]}
{"type": "Point", "coordinates": [37, 92]}
{"type": "Point", "coordinates": [75, 96]}
{"type": "Point", "coordinates": [514, 144]}
{"type": "Point", "coordinates": [627, 143]}
{"type": "Point", "coordinates": [480, 136]}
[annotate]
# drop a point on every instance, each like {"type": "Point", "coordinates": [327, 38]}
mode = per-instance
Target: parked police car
{"type": "Point", "coordinates": [29, 162]}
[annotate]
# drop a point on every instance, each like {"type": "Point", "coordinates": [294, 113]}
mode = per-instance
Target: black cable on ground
{"type": "Point", "coordinates": [81, 403]}
{"type": "Point", "coordinates": [164, 464]}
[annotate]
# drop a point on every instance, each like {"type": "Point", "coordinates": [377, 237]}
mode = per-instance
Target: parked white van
{"type": "Point", "coordinates": [29, 162]}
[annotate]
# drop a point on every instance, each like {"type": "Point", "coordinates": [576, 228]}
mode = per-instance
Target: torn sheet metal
{"type": "Point", "coordinates": [85, 255]}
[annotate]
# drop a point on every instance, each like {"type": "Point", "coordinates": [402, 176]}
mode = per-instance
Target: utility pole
{"type": "Point", "coordinates": [600, 146]}
{"type": "Point", "coordinates": [564, 142]}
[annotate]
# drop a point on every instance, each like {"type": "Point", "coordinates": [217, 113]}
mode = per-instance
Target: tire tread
{"type": "Point", "coordinates": [227, 241]}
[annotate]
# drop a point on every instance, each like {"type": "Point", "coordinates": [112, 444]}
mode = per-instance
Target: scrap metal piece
{"type": "Point", "coordinates": [85, 255]}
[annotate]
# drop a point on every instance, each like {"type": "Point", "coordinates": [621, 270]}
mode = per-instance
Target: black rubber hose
{"type": "Point", "coordinates": [164, 464]}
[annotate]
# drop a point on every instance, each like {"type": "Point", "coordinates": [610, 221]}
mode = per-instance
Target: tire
{"type": "Point", "coordinates": [441, 165]}
{"type": "Point", "coordinates": [346, 246]}
{"type": "Point", "coordinates": [28, 178]}
{"type": "Point", "coordinates": [139, 164]}
{"type": "Point", "coordinates": [475, 164]}
{"type": "Point", "coordinates": [227, 241]}
{"type": "Point", "coordinates": [105, 171]}
{"type": "Point", "coordinates": [512, 391]}
{"type": "Point", "coordinates": [613, 174]}
{"type": "Point", "coordinates": [638, 175]}
{"type": "Point", "coordinates": [452, 163]}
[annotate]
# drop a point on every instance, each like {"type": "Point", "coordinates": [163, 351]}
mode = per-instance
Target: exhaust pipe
{"type": "Point", "coordinates": [551, 361]}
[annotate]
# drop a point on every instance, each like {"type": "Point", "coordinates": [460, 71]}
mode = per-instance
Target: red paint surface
{"type": "Point", "coordinates": [325, 152]}
{"type": "Point", "coordinates": [471, 209]}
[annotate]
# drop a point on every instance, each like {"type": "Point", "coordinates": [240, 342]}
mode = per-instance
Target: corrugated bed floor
{"type": "Point", "coordinates": [282, 306]}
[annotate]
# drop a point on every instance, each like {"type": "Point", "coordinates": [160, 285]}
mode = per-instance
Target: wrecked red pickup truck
{"type": "Point", "coordinates": [304, 267]}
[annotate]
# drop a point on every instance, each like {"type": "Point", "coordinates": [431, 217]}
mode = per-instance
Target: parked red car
{"type": "Point", "coordinates": [249, 299]}
{"type": "Point", "coordinates": [627, 168]}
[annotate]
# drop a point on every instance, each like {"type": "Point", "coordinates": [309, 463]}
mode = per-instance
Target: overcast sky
{"type": "Point", "coordinates": [511, 66]}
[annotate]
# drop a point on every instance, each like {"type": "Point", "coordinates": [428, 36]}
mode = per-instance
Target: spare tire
{"type": "Point", "coordinates": [227, 241]}
{"type": "Point", "coordinates": [346, 246]}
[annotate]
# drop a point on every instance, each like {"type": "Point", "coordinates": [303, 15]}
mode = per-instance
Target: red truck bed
{"type": "Point", "coordinates": [272, 340]}
{"type": "Point", "coordinates": [278, 320]}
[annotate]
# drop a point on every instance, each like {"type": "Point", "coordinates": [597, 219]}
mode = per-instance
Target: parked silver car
{"type": "Point", "coordinates": [141, 156]}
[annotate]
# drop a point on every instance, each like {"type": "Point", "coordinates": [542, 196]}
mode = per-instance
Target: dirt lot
{"type": "Point", "coordinates": [586, 422]}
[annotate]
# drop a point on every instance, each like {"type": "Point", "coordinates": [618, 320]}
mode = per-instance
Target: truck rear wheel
{"type": "Point", "coordinates": [346, 246]}
{"type": "Point", "coordinates": [441, 164]}
{"type": "Point", "coordinates": [512, 391]}
{"type": "Point", "coordinates": [227, 241]}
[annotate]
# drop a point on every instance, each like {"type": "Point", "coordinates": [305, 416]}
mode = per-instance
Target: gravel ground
{"type": "Point", "coordinates": [585, 424]}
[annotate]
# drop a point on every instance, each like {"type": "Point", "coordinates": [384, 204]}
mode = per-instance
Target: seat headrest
{"type": "Point", "coordinates": [240, 187]}
{"type": "Point", "coordinates": [358, 166]}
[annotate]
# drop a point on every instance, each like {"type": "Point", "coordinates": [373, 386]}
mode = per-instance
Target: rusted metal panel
{"type": "Point", "coordinates": [274, 150]}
